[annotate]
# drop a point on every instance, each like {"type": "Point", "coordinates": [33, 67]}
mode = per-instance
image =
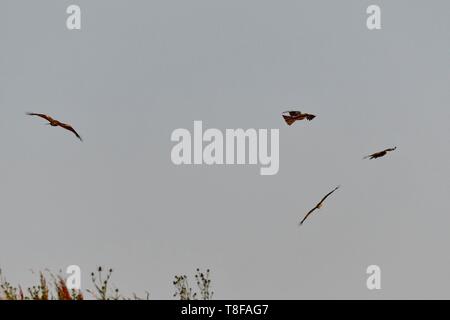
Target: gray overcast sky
{"type": "Point", "coordinates": [140, 69]}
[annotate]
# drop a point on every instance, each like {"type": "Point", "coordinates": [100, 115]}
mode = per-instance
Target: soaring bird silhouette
{"type": "Point", "coordinates": [319, 205]}
{"type": "Point", "coordinates": [56, 123]}
{"type": "Point", "coordinates": [380, 153]}
{"type": "Point", "coordinates": [291, 116]}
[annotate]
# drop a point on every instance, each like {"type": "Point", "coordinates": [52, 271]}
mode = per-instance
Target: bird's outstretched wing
{"type": "Point", "coordinates": [44, 116]}
{"type": "Point", "coordinates": [376, 155]}
{"type": "Point", "coordinates": [293, 113]}
{"type": "Point", "coordinates": [307, 215]}
{"type": "Point", "coordinates": [69, 127]}
{"type": "Point", "coordinates": [327, 195]}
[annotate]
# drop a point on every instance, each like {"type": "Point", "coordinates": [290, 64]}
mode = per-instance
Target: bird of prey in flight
{"type": "Point", "coordinates": [319, 205]}
{"type": "Point", "coordinates": [56, 123]}
{"type": "Point", "coordinates": [380, 153]}
{"type": "Point", "coordinates": [291, 116]}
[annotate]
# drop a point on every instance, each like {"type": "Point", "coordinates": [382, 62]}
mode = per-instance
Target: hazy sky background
{"type": "Point", "coordinates": [140, 69]}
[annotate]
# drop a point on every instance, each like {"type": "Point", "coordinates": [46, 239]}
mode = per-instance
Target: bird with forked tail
{"type": "Point", "coordinates": [379, 154]}
{"type": "Point", "coordinates": [56, 123]}
{"type": "Point", "coordinates": [291, 116]}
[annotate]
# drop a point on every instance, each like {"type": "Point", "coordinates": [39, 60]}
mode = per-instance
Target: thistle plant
{"type": "Point", "coordinates": [185, 292]}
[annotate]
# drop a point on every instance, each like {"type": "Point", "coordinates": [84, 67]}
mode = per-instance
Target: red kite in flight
{"type": "Point", "coordinates": [379, 154]}
{"type": "Point", "coordinates": [291, 116]}
{"type": "Point", "coordinates": [319, 205]}
{"type": "Point", "coordinates": [56, 123]}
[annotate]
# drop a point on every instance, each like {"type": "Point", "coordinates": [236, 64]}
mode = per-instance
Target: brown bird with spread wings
{"type": "Point", "coordinates": [319, 205]}
{"type": "Point", "coordinates": [379, 154]}
{"type": "Point", "coordinates": [56, 123]}
{"type": "Point", "coordinates": [291, 116]}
